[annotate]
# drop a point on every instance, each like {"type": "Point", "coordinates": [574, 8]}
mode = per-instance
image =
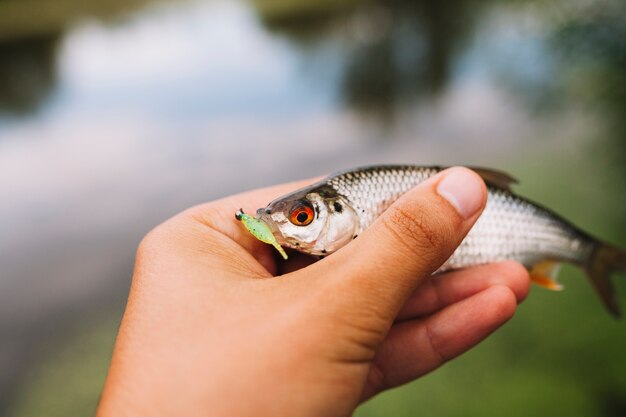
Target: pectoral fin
{"type": "Point", "coordinates": [545, 273]}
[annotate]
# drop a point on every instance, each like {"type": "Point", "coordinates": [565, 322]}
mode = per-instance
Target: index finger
{"type": "Point", "coordinates": [220, 216]}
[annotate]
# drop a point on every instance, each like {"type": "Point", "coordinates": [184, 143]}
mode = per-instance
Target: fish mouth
{"type": "Point", "coordinates": [263, 214]}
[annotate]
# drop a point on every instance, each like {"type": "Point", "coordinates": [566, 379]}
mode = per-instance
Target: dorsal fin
{"type": "Point", "coordinates": [497, 179]}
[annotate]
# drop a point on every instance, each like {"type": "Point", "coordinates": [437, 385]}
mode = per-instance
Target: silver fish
{"type": "Point", "coordinates": [323, 217]}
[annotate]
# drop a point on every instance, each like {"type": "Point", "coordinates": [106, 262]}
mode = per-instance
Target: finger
{"type": "Point", "coordinates": [219, 216]}
{"type": "Point", "coordinates": [445, 289]}
{"type": "Point", "coordinates": [417, 347]}
{"type": "Point", "coordinates": [379, 270]}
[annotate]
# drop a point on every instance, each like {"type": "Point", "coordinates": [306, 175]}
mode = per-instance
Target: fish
{"type": "Point", "coordinates": [323, 217]}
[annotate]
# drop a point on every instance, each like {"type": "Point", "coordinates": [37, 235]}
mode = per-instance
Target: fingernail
{"type": "Point", "coordinates": [463, 190]}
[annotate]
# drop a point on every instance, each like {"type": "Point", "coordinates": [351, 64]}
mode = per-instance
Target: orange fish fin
{"type": "Point", "coordinates": [544, 274]}
{"type": "Point", "coordinates": [494, 178]}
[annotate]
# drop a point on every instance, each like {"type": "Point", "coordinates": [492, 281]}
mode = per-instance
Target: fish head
{"type": "Point", "coordinates": [316, 221]}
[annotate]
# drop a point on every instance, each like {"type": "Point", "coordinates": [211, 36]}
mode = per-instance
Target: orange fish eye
{"type": "Point", "coordinates": [302, 214]}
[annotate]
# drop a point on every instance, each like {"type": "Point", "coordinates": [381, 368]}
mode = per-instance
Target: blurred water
{"type": "Point", "coordinates": [109, 126]}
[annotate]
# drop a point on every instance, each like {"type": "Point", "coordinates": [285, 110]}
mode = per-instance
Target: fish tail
{"type": "Point", "coordinates": [605, 261]}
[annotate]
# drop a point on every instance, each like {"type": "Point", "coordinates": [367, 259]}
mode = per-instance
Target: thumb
{"type": "Point", "coordinates": [378, 271]}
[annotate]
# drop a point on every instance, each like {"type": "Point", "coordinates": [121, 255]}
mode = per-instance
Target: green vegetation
{"type": "Point", "coordinates": [34, 18]}
{"type": "Point", "coordinates": [562, 355]}
{"type": "Point", "coordinates": [68, 380]}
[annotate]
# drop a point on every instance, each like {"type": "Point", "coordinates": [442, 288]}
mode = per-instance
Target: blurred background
{"type": "Point", "coordinates": [115, 115]}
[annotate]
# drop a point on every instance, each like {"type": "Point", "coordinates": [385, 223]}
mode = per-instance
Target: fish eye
{"type": "Point", "coordinates": [301, 214]}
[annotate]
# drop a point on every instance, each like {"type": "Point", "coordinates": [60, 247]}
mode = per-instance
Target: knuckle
{"type": "Point", "coordinates": [413, 228]}
{"type": "Point", "coordinates": [517, 278]}
{"type": "Point", "coordinates": [504, 305]}
{"type": "Point", "coordinates": [377, 377]}
{"type": "Point", "coordinates": [148, 251]}
{"type": "Point", "coordinates": [160, 240]}
{"type": "Point", "coordinates": [436, 349]}
{"type": "Point", "coordinates": [150, 244]}
{"type": "Point", "coordinates": [513, 270]}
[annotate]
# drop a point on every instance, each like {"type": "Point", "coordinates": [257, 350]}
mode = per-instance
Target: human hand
{"type": "Point", "coordinates": [215, 325]}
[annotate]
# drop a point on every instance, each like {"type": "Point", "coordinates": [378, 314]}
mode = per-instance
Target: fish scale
{"type": "Point", "coordinates": [509, 228]}
{"type": "Point", "coordinates": [372, 191]}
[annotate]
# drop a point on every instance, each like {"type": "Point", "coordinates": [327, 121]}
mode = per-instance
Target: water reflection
{"type": "Point", "coordinates": [394, 53]}
{"type": "Point", "coordinates": [122, 125]}
{"type": "Point", "coordinates": [398, 51]}
{"type": "Point", "coordinates": [29, 35]}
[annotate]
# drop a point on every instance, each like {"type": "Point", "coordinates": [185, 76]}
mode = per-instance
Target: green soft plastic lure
{"type": "Point", "coordinates": [260, 230]}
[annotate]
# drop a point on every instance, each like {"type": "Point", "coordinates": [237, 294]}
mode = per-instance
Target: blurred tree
{"type": "Point", "coordinates": [400, 50]}
{"type": "Point", "coordinates": [27, 71]}
{"type": "Point", "coordinates": [29, 33]}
